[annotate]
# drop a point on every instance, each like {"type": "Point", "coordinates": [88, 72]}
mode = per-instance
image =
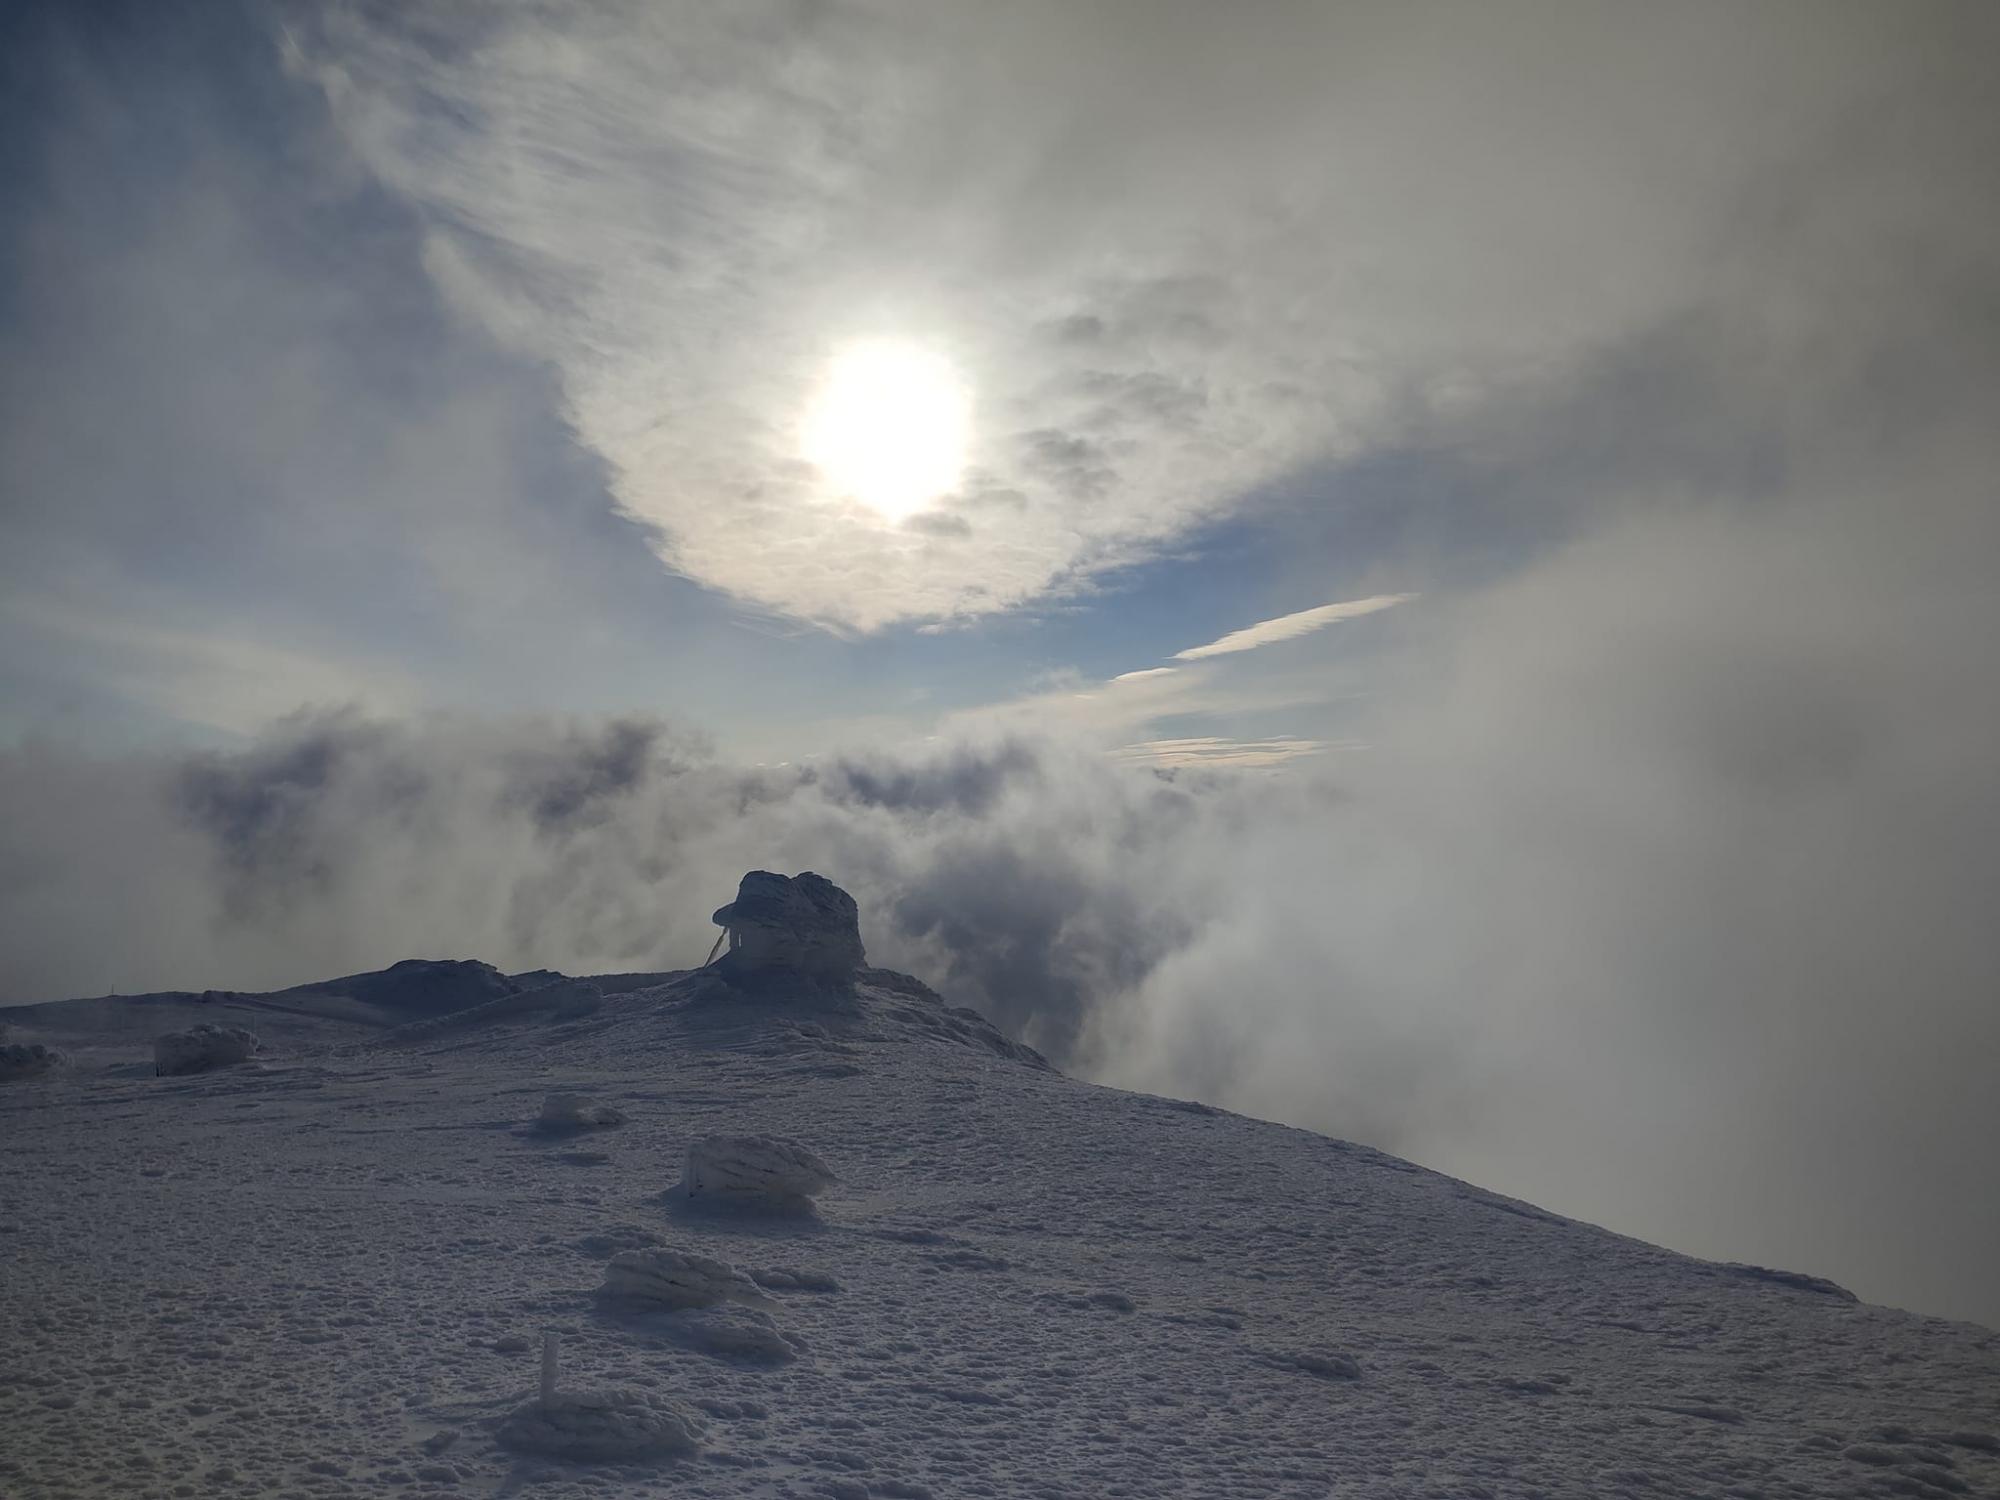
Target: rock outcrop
{"type": "Point", "coordinates": [201, 1048]}
{"type": "Point", "coordinates": [802, 925]}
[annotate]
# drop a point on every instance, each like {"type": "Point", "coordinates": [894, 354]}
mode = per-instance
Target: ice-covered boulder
{"type": "Point", "coordinates": [203, 1047]}
{"type": "Point", "coordinates": [615, 1426]}
{"type": "Point", "coordinates": [675, 1279]}
{"type": "Point", "coordinates": [28, 1060]}
{"type": "Point", "coordinates": [754, 1170]}
{"type": "Point", "coordinates": [564, 1114]}
{"type": "Point", "coordinates": [778, 925]}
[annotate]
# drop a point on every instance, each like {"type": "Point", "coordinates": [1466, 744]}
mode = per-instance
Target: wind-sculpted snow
{"type": "Point", "coordinates": [329, 1276]}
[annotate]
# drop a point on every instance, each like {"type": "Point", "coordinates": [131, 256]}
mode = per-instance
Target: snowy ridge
{"type": "Point", "coordinates": [327, 1272]}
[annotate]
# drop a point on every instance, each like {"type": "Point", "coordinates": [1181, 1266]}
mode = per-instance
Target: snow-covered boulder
{"type": "Point", "coordinates": [754, 1170]}
{"type": "Point", "coordinates": [203, 1047]}
{"type": "Point", "coordinates": [615, 1426]}
{"type": "Point", "coordinates": [778, 925]}
{"type": "Point", "coordinates": [675, 1279]}
{"type": "Point", "coordinates": [28, 1060]}
{"type": "Point", "coordinates": [563, 1114]}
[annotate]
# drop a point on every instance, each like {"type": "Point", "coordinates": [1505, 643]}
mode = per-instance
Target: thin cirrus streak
{"type": "Point", "coordinates": [1288, 627]}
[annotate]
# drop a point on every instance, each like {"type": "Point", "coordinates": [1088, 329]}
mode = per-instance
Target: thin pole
{"type": "Point", "coordinates": [548, 1367]}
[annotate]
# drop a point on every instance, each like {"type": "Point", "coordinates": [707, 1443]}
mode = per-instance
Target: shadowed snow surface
{"type": "Point", "coordinates": [327, 1273]}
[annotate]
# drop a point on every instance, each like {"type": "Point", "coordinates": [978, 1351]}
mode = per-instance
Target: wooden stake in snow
{"type": "Point", "coordinates": [548, 1367]}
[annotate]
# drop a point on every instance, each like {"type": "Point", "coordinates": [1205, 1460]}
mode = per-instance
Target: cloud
{"type": "Point", "coordinates": [1168, 284]}
{"type": "Point", "coordinates": [218, 676]}
{"type": "Point", "coordinates": [1289, 627]}
{"type": "Point", "coordinates": [1213, 752]}
{"type": "Point", "coordinates": [1662, 894]}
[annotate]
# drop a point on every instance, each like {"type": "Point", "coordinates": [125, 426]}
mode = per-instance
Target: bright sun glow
{"type": "Point", "coordinates": [889, 427]}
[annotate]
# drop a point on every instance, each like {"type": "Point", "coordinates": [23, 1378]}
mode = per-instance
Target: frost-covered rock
{"type": "Point", "coordinates": [28, 1060]}
{"type": "Point", "coordinates": [761, 1170]}
{"type": "Point", "coordinates": [675, 1279]}
{"type": "Point", "coordinates": [203, 1047]}
{"type": "Point", "coordinates": [614, 1426]}
{"type": "Point", "coordinates": [565, 1113]}
{"type": "Point", "coordinates": [804, 925]}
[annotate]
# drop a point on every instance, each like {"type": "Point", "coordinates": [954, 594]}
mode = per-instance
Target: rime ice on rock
{"type": "Point", "coordinates": [778, 925]}
{"type": "Point", "coordinates": [203, 1047]}
{"type": "Point", "coordinates": [754, 1170]}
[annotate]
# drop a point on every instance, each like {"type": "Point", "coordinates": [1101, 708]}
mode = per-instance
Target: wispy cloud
{"type": "Point", "coordinates": [1219, 752]}
{"type": "Point", "coordinates": [1287, 627]}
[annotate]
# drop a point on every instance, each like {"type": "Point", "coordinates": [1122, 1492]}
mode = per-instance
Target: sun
{"type": "Point", "coordinates": [889, 427]}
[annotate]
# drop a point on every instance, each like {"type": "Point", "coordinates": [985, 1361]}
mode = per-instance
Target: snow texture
{"type": "Point", "coordinates": [327, 1277]}
{"type": "Point", "coordinates": [566, 1114]}
{"type": "Point", "coordinates": [612, 1426]}
{"type": "Point", "coordinates": [754, 1171]}
{"type": "Point", "coordinates": [675, 1278]}
{"type": "Point", "coordinates": [202, 1048]}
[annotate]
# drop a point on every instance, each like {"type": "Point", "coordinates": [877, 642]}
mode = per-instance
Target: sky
{"type": "Point", "coordinates": [1422, 570]}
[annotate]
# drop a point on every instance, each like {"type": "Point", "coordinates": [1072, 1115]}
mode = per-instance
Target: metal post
{"type": "Point", "coordinates": [548, 1367]}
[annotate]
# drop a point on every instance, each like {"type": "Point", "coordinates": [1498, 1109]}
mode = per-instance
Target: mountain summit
{"type": "Point", "coordinates": [779, 926]}
{"type": "Point", "coordinates": [329, 1270]}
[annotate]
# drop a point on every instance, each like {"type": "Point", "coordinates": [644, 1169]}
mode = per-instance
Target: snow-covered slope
{"type": "Point", "coordinates": [328, 1273]}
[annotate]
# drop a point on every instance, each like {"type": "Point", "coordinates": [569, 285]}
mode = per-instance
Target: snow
{"type": "Point", "coordinates": [201, 1048]}
{"type": "Point", "coordinates": [675, 1278]}
{"type": "Point", "coordinates": [567, 1113]}
{"type": "Point", "coordinates": [329, 1275]}
{"type": "Point", "coordinates": [600, 1427]}
{"type": "Point", "coordinates": [754, 1171]}
{"type": "Point", "coordinates": [28, 1060]}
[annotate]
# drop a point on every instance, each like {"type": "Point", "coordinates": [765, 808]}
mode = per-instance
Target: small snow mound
{"type": "Point", "coordinates": [733, 1333]}
{"type": "Point", "coordinates": [1323, 1363]}
{"type": "Point", "coordinates": [794, 1279]}
{"type": "Point", "coordinates": [563, 1114]}
{"type": "Point", "coordinates": [28, 1060]}
{"type": "Point", "coordinates": [203, 1047]}
{"type": "Point", "coordinates": [755, 1170]}
{"type": "Point", "coordinates": [674, 1278]}
{"type": "Point", "coordinates": [614, 1426]}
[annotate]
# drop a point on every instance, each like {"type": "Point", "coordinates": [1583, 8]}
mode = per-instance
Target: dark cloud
{"type": "Point", "coordinates": [961, 780]}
